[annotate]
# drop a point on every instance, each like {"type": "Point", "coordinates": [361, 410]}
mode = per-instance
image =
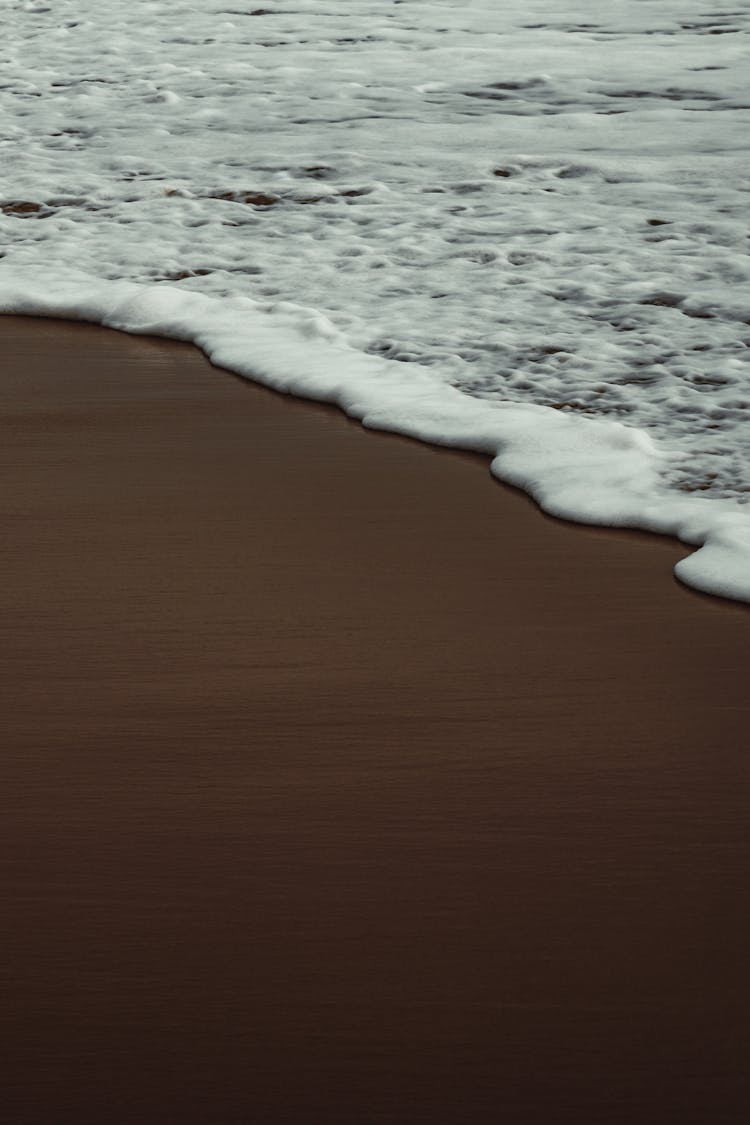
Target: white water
{"type": "Point", "coordinates": [519, 228]}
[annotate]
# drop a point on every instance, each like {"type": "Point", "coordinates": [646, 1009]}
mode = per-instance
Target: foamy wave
{"type": "Point", "coordinates": [490, 224]}
{"type": "Point", "coordinates": [579, 469]}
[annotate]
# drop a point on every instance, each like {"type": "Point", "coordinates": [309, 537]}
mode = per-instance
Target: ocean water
{"type": "Point", "coordinates": [518, 227]}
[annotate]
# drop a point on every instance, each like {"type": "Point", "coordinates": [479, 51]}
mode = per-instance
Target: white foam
{"type": "Point", "coordinates": [503, 226]}
{"type": "Point", "coordinates": [579, 469]}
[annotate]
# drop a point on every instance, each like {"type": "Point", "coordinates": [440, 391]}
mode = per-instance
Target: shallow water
{"type": "Point", "coordinates": [347, 789]}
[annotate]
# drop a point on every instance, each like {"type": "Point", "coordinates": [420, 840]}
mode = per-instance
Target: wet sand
{"type": "Point", "coordinates": [339, 786]}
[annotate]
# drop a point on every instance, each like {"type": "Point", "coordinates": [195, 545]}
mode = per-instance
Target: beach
{"type": "Point", "coordinates": [340, 784]}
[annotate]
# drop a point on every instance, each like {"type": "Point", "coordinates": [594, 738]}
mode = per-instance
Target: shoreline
{"type": "Point", "coordinates": [586, 470]}
{"type": "Point", "coordinates": [341, 783]}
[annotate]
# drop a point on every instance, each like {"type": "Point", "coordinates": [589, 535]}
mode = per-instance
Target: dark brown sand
{"type": "Point", "coordinates": [339, 785]}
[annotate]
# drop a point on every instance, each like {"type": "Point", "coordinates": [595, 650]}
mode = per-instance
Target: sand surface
{"type": "Point", "coordinates": [339, 786]}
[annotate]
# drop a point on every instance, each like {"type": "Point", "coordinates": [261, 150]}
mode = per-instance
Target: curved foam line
{"type": "Point", "coordinates": [588, 471]}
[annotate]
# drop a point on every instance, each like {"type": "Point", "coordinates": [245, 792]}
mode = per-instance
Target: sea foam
{"type": "Point", "coordinates": [580, 469]}
{"type": "Point", "coordinates": [497, 226]}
